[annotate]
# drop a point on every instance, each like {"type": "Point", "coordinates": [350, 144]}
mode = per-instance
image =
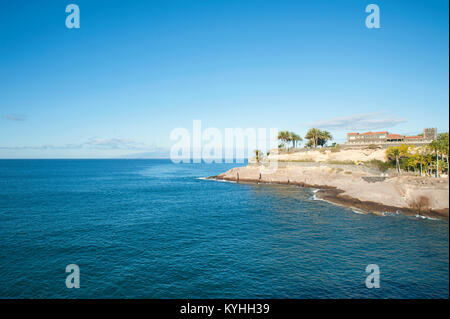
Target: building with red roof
{"type": "Point", "coordinates": [383, 137]}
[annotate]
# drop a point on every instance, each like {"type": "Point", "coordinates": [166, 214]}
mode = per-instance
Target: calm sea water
{"type": "Point", "coordinates": [153, 229]}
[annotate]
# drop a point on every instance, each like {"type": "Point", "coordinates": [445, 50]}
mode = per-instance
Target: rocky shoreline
{"type": "Point", "coordinates": [399, 195]}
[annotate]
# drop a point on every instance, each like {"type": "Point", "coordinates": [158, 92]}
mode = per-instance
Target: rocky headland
{"type": "Point", "coordinates": [361, 188]}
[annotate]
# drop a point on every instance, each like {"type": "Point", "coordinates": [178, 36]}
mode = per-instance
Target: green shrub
{"type": "Point", "coordinates": [382, 166]}
{"type": "Point", "coordinates": [336, 148]}
{"type": "Point", "coordinates": [347, 162]}
{"type": "Point", "coordinates": [305, 160]}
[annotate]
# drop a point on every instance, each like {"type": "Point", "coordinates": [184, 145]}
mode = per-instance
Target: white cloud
{"type": "Point", "coordinates": [368, 121]}
{"type": "Point", "coordinates": [93, 143]}
{"type": "Point", "coordinates": [14, 117]}
{"type": "Point", "coordinates": [113, 143]}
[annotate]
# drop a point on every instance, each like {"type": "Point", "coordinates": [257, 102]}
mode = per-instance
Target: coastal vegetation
{"type": "Point", "coordinates": [287, 138]}
{"type": "Point", "coordinates": [381, 165]}
{"type": "Point", "coordinates": [317, 137]}
{"type": "Point", "coordinates": [397, 153]}
{"type": "Point", "coordinates": [427, 160]}
{"type": "Point", "coordinates": [347, 162]}
{"type": "Point", "coordinates": [258, 155]}
{"type": "Point", "coordinates": [303, 160]}
{"type": "Point", "coordinates": [335, 148]}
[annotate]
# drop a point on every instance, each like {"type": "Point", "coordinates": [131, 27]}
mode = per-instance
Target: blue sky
{"type": "Point", "coordinates": [136, 70]}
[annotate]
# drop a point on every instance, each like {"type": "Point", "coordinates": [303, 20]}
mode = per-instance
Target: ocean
{"type": "Point", "coordinates": [154, 229]}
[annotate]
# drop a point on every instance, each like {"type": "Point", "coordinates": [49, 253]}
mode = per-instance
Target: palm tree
{"type": "Point", "coordinates": [429, 163]}
{"type": "Point", "coordinates": [411, 163]}
{"type": "Point", "coordinates": [417, 161]}
{"type": "Point", "coordinates": [295, 139]}
{"type": "Point", "coordinates": [404, 150]}
{"type": "Point", "coordinates": [421, 152]}
{"type": "Point", "coordinates": [444, 145]}
{"type": "Point", "coordinates": [313, 135]}
{"type": "Point", "coordinates": [288, 138]}
{"type": "Point", "coordinates": [394, 152]}
{"type": "Point", "coordinates": [258, 155]}
{"type": "Point", "coordinates": [434, 146]}
{"type": "Point", "coordinates": [283, 136]}
{"type": "Point", "coordinates": [397, 153]}
{"type": "Point", "coordinates": [324, 137]}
